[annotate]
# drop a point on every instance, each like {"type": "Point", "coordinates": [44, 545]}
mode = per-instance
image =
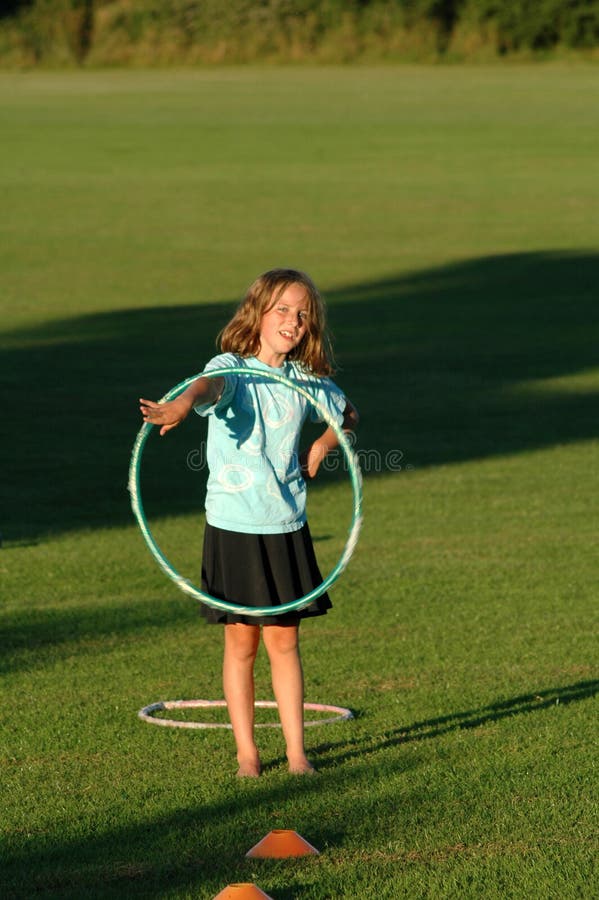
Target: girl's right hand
{"type": "Point", "coordinates": [168, 415]}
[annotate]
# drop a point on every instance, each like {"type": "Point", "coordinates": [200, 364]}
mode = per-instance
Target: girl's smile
{"type": "Point", "coordinates": [283, 326]}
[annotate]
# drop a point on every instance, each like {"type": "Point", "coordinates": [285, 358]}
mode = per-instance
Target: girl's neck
{"type": "Point", "coordinates": [270, 358]}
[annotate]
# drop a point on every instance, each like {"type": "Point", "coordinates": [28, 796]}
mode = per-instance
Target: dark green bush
{"type": "Point", "coordinates": [10, 7]}
{"type": "Point", "coordinates": [541, 24]}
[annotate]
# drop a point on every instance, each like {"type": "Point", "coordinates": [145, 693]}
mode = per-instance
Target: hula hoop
{"type": "Point", "coordinates": [341, 713]}
{"type": "Point", "coordinates": [183, 583]}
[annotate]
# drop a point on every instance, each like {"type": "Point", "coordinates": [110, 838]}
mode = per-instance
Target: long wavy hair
{"type": "Point", "coordinates": [242, 334]}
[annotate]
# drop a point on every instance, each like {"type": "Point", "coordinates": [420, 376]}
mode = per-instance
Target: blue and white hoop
{"type": "Point", "coordinates": [183, 583]}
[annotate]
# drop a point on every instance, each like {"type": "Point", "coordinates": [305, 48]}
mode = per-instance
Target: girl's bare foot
{"type": "Point", "coordinates": [301, 766]}
{"type": "Point", "coordinates": [248, 768]}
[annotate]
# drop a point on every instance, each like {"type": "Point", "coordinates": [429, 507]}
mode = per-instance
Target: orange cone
{"type": "Point", "coordinates": [242, 892]}
{"type": "Point", "coordinates": [280, 843]}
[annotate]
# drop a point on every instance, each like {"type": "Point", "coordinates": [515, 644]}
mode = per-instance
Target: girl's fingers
{"type": "Point", "coordinates": [158, 414]}
{"type": "Point", "coordinates": [150, 410]}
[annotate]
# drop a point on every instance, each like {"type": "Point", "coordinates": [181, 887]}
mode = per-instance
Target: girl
{"type": "Point", "coordinates": [257, 545]}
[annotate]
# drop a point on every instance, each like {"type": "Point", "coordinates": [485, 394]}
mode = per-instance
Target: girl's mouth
{"type": "Point", "coordinates": [287, 335]}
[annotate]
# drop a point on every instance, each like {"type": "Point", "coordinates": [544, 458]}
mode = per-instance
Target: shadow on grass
{"type": "Point", "coordinates": [211, 839]}
{"type": "Point", "coordinates": [443, 364]}
{"type": "Point", "coordinates": [32, 634]}
{"type": "Point", "coordinates": [473, 718]}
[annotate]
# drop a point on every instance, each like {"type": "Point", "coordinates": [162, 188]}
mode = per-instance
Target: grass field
{"type": "Point", "coordinates": [450, 217]}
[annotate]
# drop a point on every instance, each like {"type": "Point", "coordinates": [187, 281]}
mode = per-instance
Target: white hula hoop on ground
{"type": "Point", "coordinates": [341, 713]}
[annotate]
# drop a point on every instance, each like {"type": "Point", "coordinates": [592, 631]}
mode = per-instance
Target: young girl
{"type": "Point", "coordinates": [257, 545]}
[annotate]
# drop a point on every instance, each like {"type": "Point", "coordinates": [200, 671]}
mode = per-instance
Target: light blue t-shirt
{"type": "Point", "coordinates": [255, 484]}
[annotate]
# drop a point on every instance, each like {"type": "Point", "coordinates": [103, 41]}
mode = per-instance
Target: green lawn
{"type": "Point", "coordinates": [450, 217]}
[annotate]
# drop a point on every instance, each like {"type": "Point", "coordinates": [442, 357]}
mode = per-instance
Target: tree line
{"type": "Point", "coordinates": [108, 32]}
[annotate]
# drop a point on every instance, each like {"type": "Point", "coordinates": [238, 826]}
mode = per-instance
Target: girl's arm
{"type": "Point", "coordinates": [311, 458]}
{"type": "Point", "coordinates": [173, 412]}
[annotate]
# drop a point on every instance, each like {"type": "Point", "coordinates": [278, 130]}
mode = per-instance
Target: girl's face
{"type": "Point", "coordinates": [283, 325]}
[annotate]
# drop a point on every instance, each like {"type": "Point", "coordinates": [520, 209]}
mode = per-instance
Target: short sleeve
{"type": "Point", "coordinates": [332, 398]}
{"type": "Point", "coordinates": [222, 361]}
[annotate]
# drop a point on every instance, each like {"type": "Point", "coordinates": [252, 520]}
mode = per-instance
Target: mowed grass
{"type": "Point", "coordinates": [449, 217]}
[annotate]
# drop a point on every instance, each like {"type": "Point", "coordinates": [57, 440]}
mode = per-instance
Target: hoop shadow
{"type": "Point", "coordinates": [428, 729]}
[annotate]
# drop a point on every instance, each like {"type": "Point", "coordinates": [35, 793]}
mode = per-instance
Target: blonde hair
{"type": "Point", "coordinates": [242, 335]}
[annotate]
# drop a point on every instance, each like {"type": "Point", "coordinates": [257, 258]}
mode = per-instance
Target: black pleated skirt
{"type": "Point", "coordinates": [260, 570]}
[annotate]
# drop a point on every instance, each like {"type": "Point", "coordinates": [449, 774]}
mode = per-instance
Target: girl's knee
{"type": "Point", "coordinates": [281, 639]}
{"type": "Point", "coordinates": [241, 641]}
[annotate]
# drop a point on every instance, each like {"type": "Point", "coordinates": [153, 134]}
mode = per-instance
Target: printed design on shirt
{"type": "Point", "coordinates": [253, 443]}
{"type": "Point", "coordinates": [234, 478]}
{"type": "Point", "coordinates": [277, 410]}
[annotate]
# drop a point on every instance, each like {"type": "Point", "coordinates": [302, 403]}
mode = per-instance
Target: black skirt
{"type": "Point", "coordinates": [260, 570]}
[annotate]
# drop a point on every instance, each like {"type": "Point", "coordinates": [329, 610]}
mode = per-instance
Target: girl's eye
{"type": "Point", "coordinates": [285, 309]}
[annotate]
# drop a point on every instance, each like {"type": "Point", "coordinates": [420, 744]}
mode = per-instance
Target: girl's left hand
{"type": "Point", "coordinates": [311, 459]}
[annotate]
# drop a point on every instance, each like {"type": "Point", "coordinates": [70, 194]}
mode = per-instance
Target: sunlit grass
{"type": "Point", "coordinates": [463, 632]}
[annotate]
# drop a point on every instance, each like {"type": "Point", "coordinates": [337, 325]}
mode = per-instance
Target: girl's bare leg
{"type": "Point", "coordinates": [241, 646]}
{"type": "Point", "coordinates": [282, 645]}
